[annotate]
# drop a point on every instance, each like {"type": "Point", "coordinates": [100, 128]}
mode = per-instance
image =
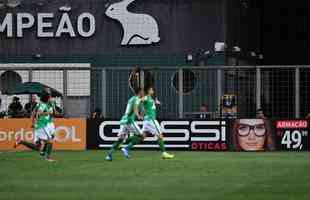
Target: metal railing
{"type": "Point", "coordinates": [72, 80]}
{"type": "Point", "coordinates": [281, 91]}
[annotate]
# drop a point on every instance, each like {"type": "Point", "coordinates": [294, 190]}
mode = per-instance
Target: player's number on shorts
{"type": "Point", "coordinates": [292, 140]}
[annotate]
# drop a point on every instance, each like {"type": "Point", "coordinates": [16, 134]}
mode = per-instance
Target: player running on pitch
{"type": "Point", "coordinates": [128, 124]}
{"type": "Point", "coordinates": [44, 128]}
{"type": "Point", "coordinates": [150, 124]}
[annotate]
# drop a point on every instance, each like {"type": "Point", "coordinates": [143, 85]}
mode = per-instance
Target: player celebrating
{"type": "Point", "coordinates": [128, 124]}
{"type": "Point", "coordinates": [150, 124]}
{"type": "Point", "coordinates": [43, 128]}
{"type": "Point", "coordinates": [51, 106]}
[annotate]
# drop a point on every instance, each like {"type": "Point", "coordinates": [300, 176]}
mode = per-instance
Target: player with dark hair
{"type": "Point", "coordinates": [43, 130]}
{"type": "Point", "coordinates": [150, 124]}
{"type": "Point", "coordinates": [128, 124]}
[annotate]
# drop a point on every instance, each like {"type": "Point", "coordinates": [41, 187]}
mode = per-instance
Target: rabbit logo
{"type": "Point", "coordinates": [138, 29]}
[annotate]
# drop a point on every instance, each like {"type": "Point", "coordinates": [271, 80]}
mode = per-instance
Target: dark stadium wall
{"type": "Point", "coordinates": [278, 30]}
{"type": "Point", "coordinates": [285, 32]}
{"type": "Point", "coordinates": [185, 27]}
{"type": "Point", "coordinates": [243, 25]}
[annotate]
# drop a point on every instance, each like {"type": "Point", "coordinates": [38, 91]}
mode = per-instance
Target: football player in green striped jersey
{"type": "Point", "coordinates": [43, 132]}
{"type": "Point", "coordinates": [150, 124]}
{"type": "Point", "coordinates": [128, 124]}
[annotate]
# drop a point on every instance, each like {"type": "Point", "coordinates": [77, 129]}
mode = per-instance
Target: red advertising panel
{"type": "Point", "coordinates": [292, 135]}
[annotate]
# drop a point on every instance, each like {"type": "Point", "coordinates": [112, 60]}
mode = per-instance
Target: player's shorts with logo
{"type": "Point", "coordinates": [46, 133]}
{"type": "Point", "coordinates": [151, 126]}
{"type": "Point", "coordinates": [126, 129]}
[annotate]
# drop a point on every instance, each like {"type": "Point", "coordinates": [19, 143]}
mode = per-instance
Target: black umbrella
{"type": "Point", "coordinates": [32, 88]}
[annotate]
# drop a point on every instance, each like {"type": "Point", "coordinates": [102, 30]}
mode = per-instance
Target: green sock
{"type": "Point", "coordinates": [49, 149]}
{"type": "Point", "coordinates": [30, 145]}
{"type": "Point", "coordinates": [44, 148]}
{"type": "Point", "coordinates": [161, 144]}
{"type": "Point", "coordinates": [115, 145]}
{"type": "Point", "coordinates": [134, 140]}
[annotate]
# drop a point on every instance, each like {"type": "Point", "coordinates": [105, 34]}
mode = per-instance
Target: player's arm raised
{"type": "Point", "coordinates": [55, 112]}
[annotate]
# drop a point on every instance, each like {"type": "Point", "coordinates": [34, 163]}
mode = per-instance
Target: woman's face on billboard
{"type": "Point", "coordinates": [251, 134]}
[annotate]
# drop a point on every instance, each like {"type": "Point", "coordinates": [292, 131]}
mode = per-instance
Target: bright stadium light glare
{"type": "Point", "coordinates": [207, 52]}
{"type": "Point", "coordinates": [65, 8]}
{"type": "Point", "coordinates": [219, 46]}
{"type": "Point", "coordinates": [189, 57]}
{"type": "Point", "coordinates": [236, 49]}
{"type": "Point", "coordinates": [13, 3]}
{"type": "Point", "coordinates": [253, 54]}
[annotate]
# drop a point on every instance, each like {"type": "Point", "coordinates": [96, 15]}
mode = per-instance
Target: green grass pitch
{"type": "Point", "coordinates": [191, 175]}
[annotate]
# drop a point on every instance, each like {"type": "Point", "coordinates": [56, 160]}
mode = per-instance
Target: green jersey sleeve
{"type": "Point", "coordinates": [41, 107]}
{"type": "Point", "coordinates": [130, 115]}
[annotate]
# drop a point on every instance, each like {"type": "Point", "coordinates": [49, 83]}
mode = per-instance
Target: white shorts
{"type": "Point", "coordinates": [46, 133]}
{"type": "Point", "coordinates": [152, 126]}
{"type": "Point", "coordinates": [129, 128]}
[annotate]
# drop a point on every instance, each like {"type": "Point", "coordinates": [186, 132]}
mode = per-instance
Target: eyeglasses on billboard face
{"type": "Point", "coordinates": [245, 129]}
